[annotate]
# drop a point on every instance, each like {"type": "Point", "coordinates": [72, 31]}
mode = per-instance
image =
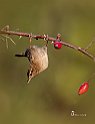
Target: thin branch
{"type": "Point", "coordinates": [90, 44]}
{"type": "Point", "coordinates": [47, 38]}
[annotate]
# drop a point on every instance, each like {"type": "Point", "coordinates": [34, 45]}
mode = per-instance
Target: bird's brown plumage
{"type": "Point", "coordinates": [38, 59]}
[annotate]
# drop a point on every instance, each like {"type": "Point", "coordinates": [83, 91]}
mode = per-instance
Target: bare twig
{"type": "Point", "coordinates": [90, 44]}
{"type": "Point", "coordinates": [47, 38]}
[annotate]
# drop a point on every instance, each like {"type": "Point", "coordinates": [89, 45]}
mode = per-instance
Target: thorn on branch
{"type": "Point", "coordinates": [46, 38]}
{"type": "Point", "coordinates": [6, 28]}
{"type": "Point", "coordinates": [20, 37]}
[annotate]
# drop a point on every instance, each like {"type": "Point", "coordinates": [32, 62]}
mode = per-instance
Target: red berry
{"type": "Point", "coordinates": [57, 45]}
{"type": "Point", "coordinates": [83, 88]}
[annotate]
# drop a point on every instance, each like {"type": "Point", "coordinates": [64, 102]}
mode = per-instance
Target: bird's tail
{"type": "Point", "coordinates": [20, 55]}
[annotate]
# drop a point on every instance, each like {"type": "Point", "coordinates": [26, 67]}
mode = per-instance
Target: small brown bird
{"type": "Point", "coordinates": [38, 59]}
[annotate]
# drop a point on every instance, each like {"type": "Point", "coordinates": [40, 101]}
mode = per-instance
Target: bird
{"type": "Point", "coordinates": [38, 59]}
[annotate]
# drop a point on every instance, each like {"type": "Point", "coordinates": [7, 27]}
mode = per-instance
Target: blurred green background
{"type": "Point", "coordinates": [52, 96]}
